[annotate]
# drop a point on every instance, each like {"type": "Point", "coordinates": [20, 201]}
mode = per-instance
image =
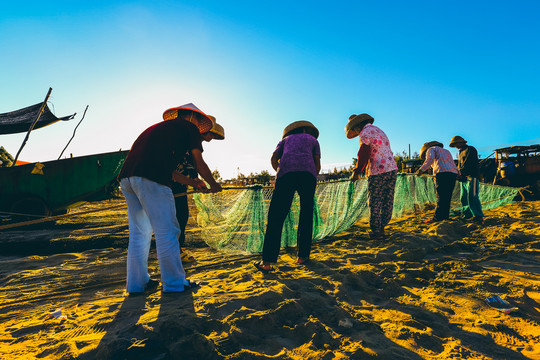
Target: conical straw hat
{"type": "Point", "coordinates": [427, 145]}
{"type": "Point", "coordinates": [299, 124]}
{"type": "Point", "coordinates": [357, 121]}
{"type": "Point", "coordinates": [203, 122]}
{"type": "Point", "coordinates": [456, 140]}
{"type": "Point", "coordinates": [217, 130]}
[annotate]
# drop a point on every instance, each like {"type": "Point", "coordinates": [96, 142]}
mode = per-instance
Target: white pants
{"type": "Point", "coordinates": [151, 208]}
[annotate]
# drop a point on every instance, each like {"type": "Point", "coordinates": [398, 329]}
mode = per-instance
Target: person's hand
{"type": "Point", "coordinates": [199, 185]}
{"type": "Point", "coordinates": [215, 188]}
{"type": "Point", "coordinates": [354, 176]}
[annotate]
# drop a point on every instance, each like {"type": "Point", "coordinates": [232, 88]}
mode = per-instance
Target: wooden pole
{"type": "Point", "coordinates": [73, 133]}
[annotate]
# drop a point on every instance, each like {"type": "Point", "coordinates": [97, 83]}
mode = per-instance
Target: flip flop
{"type": "Point", "coordinates": [259, 266]}
{"type": "Point", "coordinates": [191, 285]}
{"type": "Point", "coordinates": [302, 261]}
{"type": "Point", "coordinates": [500, 304]}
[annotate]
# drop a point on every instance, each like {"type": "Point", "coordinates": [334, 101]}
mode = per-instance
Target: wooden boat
{"type": "Point", "coordinates": [52, 187]}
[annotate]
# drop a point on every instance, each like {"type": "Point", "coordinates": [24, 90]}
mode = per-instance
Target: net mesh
{"type": "Point", "coordinates": [234, 220]}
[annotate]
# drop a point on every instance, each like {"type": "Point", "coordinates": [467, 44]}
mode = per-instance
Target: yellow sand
{"type": "Point", "coordinates": [420, 294]}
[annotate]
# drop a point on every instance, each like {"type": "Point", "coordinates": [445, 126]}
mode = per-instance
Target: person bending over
{"type": "Point", "coordinates": [297, 160]}
{"type": "Point", "coordinates": [145, 179]}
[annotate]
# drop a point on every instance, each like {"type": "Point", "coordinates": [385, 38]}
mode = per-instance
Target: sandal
{"type": "Point", "coordinates": [259, 265]}
{"type": "Point", "coordinates": [191, 285]}
{"type": "Point", "coordinates": [302, 261]}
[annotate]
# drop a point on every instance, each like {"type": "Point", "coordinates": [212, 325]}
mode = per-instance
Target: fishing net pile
{"type": "Point", "coordinates": [234, 221]}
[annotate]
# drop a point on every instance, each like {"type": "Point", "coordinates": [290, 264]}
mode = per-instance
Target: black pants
{"type": "Point", "coordinates": [182, 210]}
{"type": "Point", "coordinates": [444, 184]}
{"type": "Point", "coordinates": [304, 183]}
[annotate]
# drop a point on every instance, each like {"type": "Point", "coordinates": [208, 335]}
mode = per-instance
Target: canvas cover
{"type": "Point", "coordinates": [20, 120]}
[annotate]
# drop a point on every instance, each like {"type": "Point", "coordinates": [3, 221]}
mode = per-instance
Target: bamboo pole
{"type": "Point", "coordinates": [32, 126]}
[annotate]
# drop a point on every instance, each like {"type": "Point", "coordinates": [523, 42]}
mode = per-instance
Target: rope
{"type": "Point", "coordinates": [255, 187]}
{"type": "Point", "coordinates": [58, 217]}
{"type": "Point", "coordinates": [54, 218]}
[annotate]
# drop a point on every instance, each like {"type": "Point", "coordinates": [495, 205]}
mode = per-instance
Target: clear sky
{"type": "Point", "coordinates": [425, 70]}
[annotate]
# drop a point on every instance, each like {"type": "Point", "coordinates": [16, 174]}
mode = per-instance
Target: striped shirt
{"type": "Point", "coordinates": [440, 160]}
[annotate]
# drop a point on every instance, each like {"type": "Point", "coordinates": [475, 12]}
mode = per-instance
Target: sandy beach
{"type": "Point", "coordinates": [419, 294]}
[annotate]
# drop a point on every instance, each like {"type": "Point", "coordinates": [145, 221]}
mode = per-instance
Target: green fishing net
{"type": "Point", "coordinates": [234, 221]}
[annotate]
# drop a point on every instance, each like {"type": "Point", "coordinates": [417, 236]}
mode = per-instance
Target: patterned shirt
{"type": "Point", "coordinates": [187, 167]}
{"type": "Point", "coordinates": [440, 160]}
{"type": "Point", "coordinates": [381, 159]}
{"type": "Point", "coordinates": [296, 153]}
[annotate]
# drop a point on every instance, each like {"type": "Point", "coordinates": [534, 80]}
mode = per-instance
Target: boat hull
{"type": "Point", "coordinates": [52, 187]}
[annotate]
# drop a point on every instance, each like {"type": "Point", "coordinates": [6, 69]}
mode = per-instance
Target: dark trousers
{"type": "Point", "coordinates": [182, 211]}
{"type": "Point", "coordinates": [298, 181]}
{"type": "Point", "coordinates": [444, 184]}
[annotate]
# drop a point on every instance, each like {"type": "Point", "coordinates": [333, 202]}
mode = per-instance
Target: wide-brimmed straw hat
{"type": "Point", "coordinates": [218, 132]}
{"type": "Point", "coordinates": [427, 145]}
{"type": "Point", "coordinates": [310, 128]}
{"type": "Point", "coordinates": [457, 140]}
{"type": "Point", "coordinates": [356, 121]}
{"type": "Point", "coordinates": [203, 122]}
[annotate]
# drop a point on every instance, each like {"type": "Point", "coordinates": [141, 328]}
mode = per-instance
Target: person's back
{"type": "Point", "coordinates": [468, 164]}
{"type": "Point", "coordinates": [145, 180]}
{"type": "Point", "coordinates": [445, 171]}
{"type": "Point", "coordinates": [297, 154]}
{"type": "Point", "coordinates": [440, 159]}
{"type": "Point", "coordinates": [297, 162]}
{"type": "Point", "coordinates": [375, 154]}
{"type": "Point", "coordinates": [158, 150]}
{"type": "Point", "coordinates": [381, 158]}
{"type": "Point", "coordinates": [469, 173]}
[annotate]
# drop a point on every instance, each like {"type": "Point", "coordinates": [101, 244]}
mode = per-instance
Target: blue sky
{"type": "Point", "coordinates": [425, 70]}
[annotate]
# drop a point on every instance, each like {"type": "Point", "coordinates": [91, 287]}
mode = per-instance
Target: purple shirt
{"type": "Point", "coordinates": [296, 152]}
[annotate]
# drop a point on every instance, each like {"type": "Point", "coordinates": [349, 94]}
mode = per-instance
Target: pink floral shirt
{"type": "Point", "coordinates": [381, 159]}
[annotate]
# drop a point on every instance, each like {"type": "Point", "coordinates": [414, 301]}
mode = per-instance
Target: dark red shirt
{"type": "Point", "coordinates": [159, 149]}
